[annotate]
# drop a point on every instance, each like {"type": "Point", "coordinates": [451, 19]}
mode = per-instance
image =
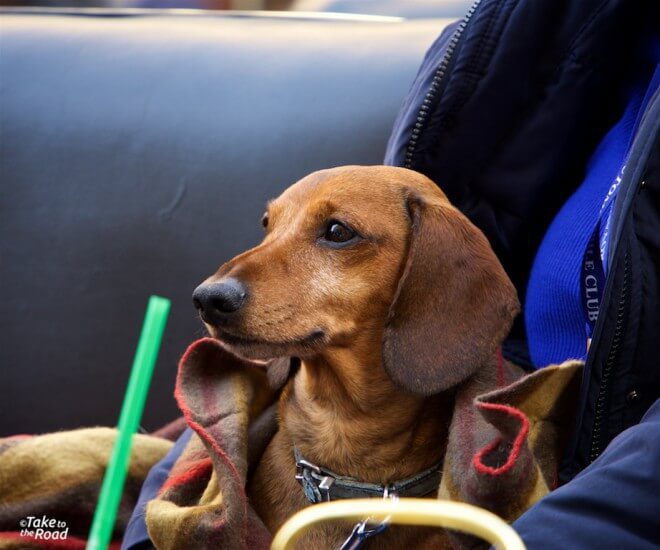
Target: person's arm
{"type": "Point", "coordinates": [613, 503]}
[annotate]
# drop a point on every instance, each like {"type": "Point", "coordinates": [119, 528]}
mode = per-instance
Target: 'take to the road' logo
{"type": "Point", "coordinates": [44, 528]}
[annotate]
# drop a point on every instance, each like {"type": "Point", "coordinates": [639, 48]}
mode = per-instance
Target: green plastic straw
{"type": "Point", "coordinates": [129, 420]}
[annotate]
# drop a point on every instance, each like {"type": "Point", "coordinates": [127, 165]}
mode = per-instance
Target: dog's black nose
{"type": "Point", "coordinates": [216, 301]}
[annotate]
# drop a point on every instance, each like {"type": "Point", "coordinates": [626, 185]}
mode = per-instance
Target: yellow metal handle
{"type": "Point", "coordinates": [406, 511]}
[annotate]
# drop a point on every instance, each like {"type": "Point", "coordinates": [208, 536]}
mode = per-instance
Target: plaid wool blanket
{"type": "Point", "coordinates": [502, 454]}
{"type": "Point", "coordinates": [49, 485]}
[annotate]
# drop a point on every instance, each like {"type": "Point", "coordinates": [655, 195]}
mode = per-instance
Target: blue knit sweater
{"type": "Point", "coordinates": [553, 309]}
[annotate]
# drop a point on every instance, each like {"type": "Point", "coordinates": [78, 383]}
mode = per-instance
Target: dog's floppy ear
{"type": "Point", "coordinates": [453, 306]}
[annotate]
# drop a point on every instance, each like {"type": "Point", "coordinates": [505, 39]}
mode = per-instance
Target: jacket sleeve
{"type": "Point", "coordinates": [136, 536]}
{"type": "Point", "coordinates": [613, 503]}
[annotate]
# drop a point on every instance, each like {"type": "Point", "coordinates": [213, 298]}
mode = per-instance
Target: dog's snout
{"type": "Point", "coordinates": [216, 301]}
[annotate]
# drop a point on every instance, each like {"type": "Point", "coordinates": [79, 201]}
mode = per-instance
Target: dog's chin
{"type": "Point", "coordinates": [257, 348]}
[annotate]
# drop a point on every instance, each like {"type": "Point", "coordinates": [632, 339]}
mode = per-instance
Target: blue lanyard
{"type": "Point", "coordinates": [594, 262]}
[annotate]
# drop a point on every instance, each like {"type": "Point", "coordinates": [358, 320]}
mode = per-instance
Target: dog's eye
{"type": "Point", "coordinates": [337, 232]}
{"type": "Point", "coordinates": [264, 220]}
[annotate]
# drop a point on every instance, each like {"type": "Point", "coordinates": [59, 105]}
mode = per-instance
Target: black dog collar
{"type": "Point", "coordinates": [322, 485]}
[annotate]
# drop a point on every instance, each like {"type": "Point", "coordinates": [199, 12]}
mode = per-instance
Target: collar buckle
{"type": "Point", "coordinates": [316, 482]}
{"type": "Point", "coordinates": [325, 485]}
{"type": "Point", "coordinates": [302, 465]}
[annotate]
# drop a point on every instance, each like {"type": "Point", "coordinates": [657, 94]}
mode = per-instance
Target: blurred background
{"type": "Point", "coordinates": [410, 8]}
{"type": "Point", "coordinates": [139, 144]}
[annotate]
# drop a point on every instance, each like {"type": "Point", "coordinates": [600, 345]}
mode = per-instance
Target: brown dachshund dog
{"type": "Point", "coordinates": [392, 299]}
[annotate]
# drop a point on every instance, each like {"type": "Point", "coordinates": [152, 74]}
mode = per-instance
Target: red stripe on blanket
{"type": "Point", "coordinates": [197, 471]}
{"type": "Point", "coordinates": [477, 460]}
{"type": "Point", "coordinates": [199, 429]}
{"type": "Point", "coordinates": [70, 543]}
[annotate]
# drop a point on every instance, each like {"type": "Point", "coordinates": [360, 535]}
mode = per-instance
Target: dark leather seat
{"type": "Point", "coordinates": [137, 154]}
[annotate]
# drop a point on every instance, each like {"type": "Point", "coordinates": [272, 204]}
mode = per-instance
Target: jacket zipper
{"type": "Point", "coordinates": [612, 358]}
{"type": "Point", "coordinates": [434, 88]}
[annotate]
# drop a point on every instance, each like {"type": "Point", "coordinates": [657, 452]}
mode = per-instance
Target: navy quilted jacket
{"type": "Point", "coordinates": [507, 108]}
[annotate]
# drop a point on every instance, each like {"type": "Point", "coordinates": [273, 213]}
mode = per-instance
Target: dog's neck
{"type": "Point", "coordinates": [343, 413]}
